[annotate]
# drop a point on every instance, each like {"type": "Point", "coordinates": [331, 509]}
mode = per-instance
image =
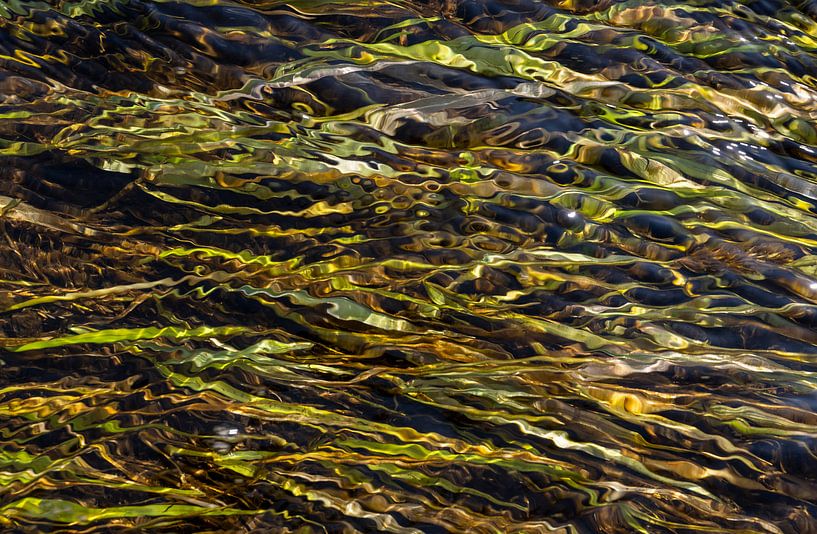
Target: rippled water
{"type": "Point", "coordinates": [444, 266]}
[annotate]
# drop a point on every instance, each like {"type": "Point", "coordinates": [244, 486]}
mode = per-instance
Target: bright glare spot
{"type": "Point", "coordinates": [571, 214]}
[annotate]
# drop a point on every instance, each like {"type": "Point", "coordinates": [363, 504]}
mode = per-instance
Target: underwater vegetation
{"type": "Point", "coordinates": [478, 266]}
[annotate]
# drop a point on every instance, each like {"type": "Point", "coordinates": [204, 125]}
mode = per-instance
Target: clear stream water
{"type": "Point", "coordinates": [471, 266]}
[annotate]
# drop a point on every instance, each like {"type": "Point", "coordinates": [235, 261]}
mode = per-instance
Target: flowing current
{"type": "Point", "coordinates": [474, 266]}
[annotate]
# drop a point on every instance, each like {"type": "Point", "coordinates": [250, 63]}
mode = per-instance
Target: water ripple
{"type": "Point", "coordinates": [449, 266]}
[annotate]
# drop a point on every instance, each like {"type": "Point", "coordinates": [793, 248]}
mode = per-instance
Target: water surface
{"type": "Point", "coordinates": [446, 266]}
